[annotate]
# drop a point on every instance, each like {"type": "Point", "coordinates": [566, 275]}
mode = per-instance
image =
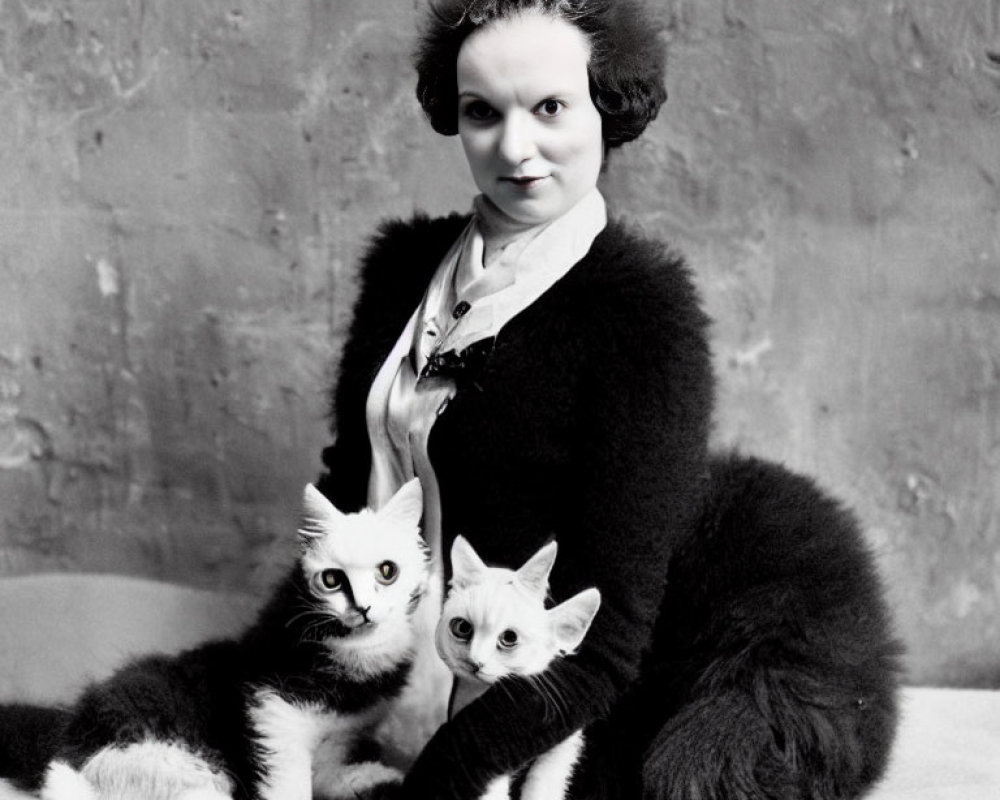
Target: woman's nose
{"type": "Point", "coordinates": [517, 141]}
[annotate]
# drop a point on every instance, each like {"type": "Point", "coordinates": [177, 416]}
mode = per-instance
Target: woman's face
{"type": "Point", "coordinates": [530, 131]}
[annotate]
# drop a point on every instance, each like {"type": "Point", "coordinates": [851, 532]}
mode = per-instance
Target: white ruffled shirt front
{"type": "Point", "coordinates": [495, 270]}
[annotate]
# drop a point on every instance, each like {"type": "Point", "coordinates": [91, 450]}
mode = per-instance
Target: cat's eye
{"type": "Point", "coordinates": [507, 640]}
{"type": "Point", "coordinates": [332, 580]}
{"type": "Point", "coordinates": [460, 628]}
{"type": "Point", "coordinates": [387, 573]}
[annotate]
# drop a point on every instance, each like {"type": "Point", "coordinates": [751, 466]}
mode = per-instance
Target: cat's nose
{"type": "Point", "coordinates": [364, 612]}
{"type": "Point", "coordinates": [476, 666]}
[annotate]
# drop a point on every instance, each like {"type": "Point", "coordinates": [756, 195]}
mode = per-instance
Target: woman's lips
{"type": "Point", "coordinates": [524, 182]}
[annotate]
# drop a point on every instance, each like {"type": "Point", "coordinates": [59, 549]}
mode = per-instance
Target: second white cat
{"type": "Point", "coordinates": [495, 624]}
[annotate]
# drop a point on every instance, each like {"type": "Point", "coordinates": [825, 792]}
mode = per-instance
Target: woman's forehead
{"type": "Point", "coordinates": [528, 48]}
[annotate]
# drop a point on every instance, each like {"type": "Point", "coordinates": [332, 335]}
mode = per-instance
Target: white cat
{"type": "Point", "coordinates": [494, 624]}
{"type": "Point", "coordinates": [276, 713]}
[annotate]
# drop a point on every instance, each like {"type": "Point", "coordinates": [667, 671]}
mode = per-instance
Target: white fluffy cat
{"type": "Point", "coordinates": [495, 624]}
{"type": "Point", "coordinates": [274, 714]}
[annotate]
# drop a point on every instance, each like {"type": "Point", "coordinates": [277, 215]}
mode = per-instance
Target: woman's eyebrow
{"type": "Point", "coordinates": [555, 92]}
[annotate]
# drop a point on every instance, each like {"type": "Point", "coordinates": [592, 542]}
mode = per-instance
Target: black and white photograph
{"type": "Point", "coordinates": [499, 399]}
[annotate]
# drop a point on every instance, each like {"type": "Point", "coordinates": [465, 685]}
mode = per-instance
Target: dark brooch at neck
{"type": "Point", "coordinates": [464, 365]}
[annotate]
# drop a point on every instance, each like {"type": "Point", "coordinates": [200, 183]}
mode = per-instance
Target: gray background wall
{"type": "Point", "coordinates": [185, 187]}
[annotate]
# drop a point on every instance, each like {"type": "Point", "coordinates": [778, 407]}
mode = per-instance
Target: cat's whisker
{"type": "Point", "coordinates": [537, 683]}
{"type": "Point", "coordinates": [317, 618]}
{"type": "Point", "coordinates": [503, 683]}
{"type": "Point", "coordinates": [308, 612]}
{"type": "Point", "coordinates": [553, 695]}
{"type": "Point", "coordinates": [307, 631]}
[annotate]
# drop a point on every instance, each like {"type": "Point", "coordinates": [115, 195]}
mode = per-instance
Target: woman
{"type": "Point", "coordinates": [546, 373]}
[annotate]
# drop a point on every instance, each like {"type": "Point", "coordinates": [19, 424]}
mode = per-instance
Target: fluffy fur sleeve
{"type": "Point", "coordinates": [643, 402]}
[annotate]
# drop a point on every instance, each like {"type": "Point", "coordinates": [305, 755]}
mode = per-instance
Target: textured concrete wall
{"type": "Point", "coordinates": [185, 188]}
{"type": "Point", "coordinates": [833, 170]}
{"type": "Point", "coordinates": [186, 185]}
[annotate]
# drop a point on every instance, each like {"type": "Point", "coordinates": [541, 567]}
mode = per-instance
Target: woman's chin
{"type": "Point", "coordinates": [524, 205]}
{"type": "Point", "coordinates": [536, 203]}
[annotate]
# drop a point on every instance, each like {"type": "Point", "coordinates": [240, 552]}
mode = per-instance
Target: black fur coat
{"type": "Point", "coordinates": [586, 422]}
{"type": "Point", "coordinates": [743, 648]}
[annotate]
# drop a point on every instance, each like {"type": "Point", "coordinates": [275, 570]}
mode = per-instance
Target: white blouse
{"type": "Point", "coordinates": [469, 298]}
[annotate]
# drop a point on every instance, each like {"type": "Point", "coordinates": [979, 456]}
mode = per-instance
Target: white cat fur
{"type": "Point", "coordinates": [148, 770]}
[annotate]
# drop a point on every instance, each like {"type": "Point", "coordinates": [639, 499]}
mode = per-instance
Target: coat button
{"type": "Point", "coordinates": [461, 310]}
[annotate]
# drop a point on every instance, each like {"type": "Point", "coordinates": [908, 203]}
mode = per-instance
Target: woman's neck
{"type": "Point", "coordinates": [498, 229]}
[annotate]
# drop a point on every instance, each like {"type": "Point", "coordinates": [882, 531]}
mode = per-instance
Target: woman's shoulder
{"type": "Point", "coordinates": [622, 253]}
{"type": "Point", "coordinates": [402, 254]}
{"type": "Point", "coordinates": [632, 272]}
{"type": "Point", "coordinates": [420, 226]}
{"type": "Point", "coordinates": [418, 237]}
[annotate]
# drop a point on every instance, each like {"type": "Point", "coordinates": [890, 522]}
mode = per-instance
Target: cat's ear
{"type": "Point", "coordinates": [407, 505]}
{"type": "Point", "coordinates": [317, 514]}
{"type": "Point", "coordinates": [571, 619]}
{"type": "Point", "coordinates": [466, 565]}
{"type": "Point", "coordinates": [534, 574]}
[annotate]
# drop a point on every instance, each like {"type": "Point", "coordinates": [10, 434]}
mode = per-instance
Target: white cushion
{"type": "Point", "coordinates": [58, 631]}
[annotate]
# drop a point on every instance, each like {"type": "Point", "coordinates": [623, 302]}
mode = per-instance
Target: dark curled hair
{"type": "Point", "coordinates": [626, 62]}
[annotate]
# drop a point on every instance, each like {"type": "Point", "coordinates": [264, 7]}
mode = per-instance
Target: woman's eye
{"type": "Point", "coordinates": [460, 628]}
{"type": "Point", "coordinates": [331, 579]}
{"type": "Point", "coordinates": [550, 107]}
{"type": "Point", "coordinates": [478, 111]}
{"type": "Point", "coordinates": [508, 639]}
{"type": "Point", "coordinates": [387, 572]}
